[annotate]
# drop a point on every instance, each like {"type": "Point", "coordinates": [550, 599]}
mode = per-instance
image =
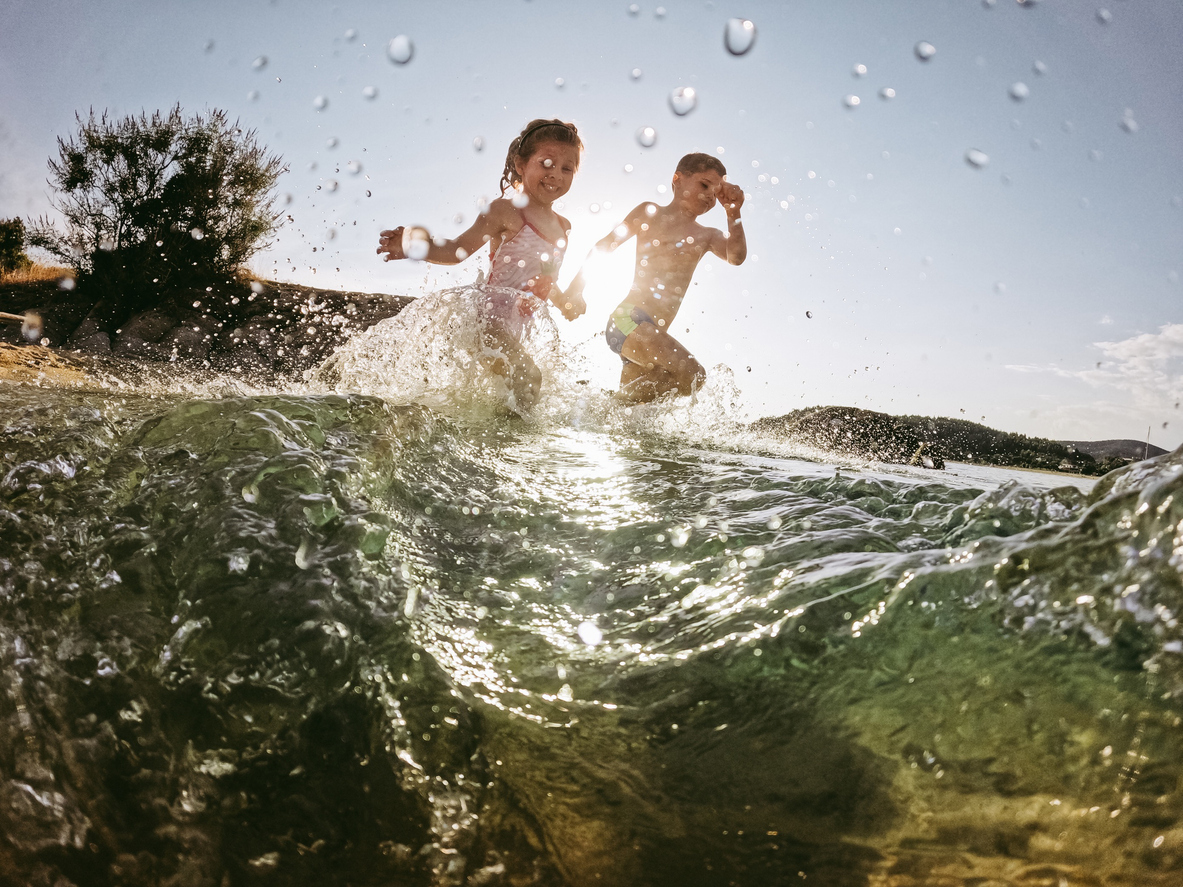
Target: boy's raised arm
{"type": "Point", "coordinates": [571, 303]}
{"type": "Point", "coordinates": [732, 246]}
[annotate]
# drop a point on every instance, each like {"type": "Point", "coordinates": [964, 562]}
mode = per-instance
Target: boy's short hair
{"type": "Point", "coordinates": [699, 162]}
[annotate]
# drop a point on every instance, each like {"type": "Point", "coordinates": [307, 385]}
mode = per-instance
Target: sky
{"type": "Point", "coordinates": [1036, 290]}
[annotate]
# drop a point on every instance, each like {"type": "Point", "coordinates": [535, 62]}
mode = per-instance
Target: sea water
{"type": "Point", "coordinates": [326, 634]}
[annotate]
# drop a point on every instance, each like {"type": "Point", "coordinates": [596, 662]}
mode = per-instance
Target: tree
{"type": "Point", "coordinates": [163, 200]}
{"type": "Point", "coordinates": [12, 246]}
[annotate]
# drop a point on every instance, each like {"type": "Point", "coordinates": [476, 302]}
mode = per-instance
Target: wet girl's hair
{"type": "Point", "coordinates": [536, 133]}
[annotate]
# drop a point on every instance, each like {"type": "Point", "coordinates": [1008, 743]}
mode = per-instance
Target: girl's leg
{"type": "Point", "coordinates": [512, 363]}
{"type": "Point", "coordinates": [658, 364]}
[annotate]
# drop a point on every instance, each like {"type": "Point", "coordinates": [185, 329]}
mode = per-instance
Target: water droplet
{"type": "Point", "coordinates": [520, 199]}
{"type": "Point", "coordinates": [370, 92]}
{"type": "Point", "coordinates": [594, 208]}
{"type": "Point", "coordinates": [634, 9]}
{"type": "Point", "coordinates": [259, 63]}
{"type": "Point", "coordinates": [989, 4]}
{"type": "Point", "coordinates": [478, 144]}
{"type": "Point", "coordinates": [646, 136]}
{"type": "Point", "coordinates": [809, 314]}
{"type": "Point", "coordinates": [196, 233]}
{"type": "Point", "coordinates": [369, 193]}
{"type": "Point", "coordinates": [1039, 67]}
{"type": "Point", "coordinates": [628, 167]}
{"type": "Point", "coordinates": [1030, 4]}
{"type": "Point", "coordinates": [331, 185]}
{"type": "Point", "coordinates": [887, 93]}
{"type": "Point", "coordinates": [739, 36]}
{"type": "Point", "coordinates": [852, 101]}
{"type": "Point", "coordinates": [924, 50]}
{"type": "Point", "coordinates": [354, 166]}
{"type": "Point", "coordinates": [351, 35]}
{"type": "Point", "coordinates": [560, 83]}
{"type": "Point", "coordinates": [209, 45]}
{"type": "Point", "coordinates": [1095, 155]}
{"type": "Point", "coordinates": [859, 71]}
{"type": "Point", "coordinates": [332, 142]}
{"type": "Point", "coordinates": [1018, 91]}
{"type": "Point", "coordinates": [589, 634]}
{"type": "Point", "coordinates": [66, 283]}
{"type": "Point", "coordinates": [635, 73]}
{"type": "Point", "coordinates": [977, 159]}
{"type": "Point", "coordinates": [1104, 16]}
{"type": "Point", "coordinates": [416, 242]}
{"type": "Point", "coordinates": [683, 100]}
{"type": "Point", "coordinates": [400, 49]}
{"type": "Point", "coordinates": [659, 12]}
{"type": "Point", "coordinates": [1128, 123]}
{"type": "Point", "coordinates": [253, 95]}
{"type": "Point", "coordinates": [320, 103]}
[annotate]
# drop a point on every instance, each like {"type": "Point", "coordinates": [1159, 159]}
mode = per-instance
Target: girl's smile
{"type": "Point", "coordinates": [549, 172]}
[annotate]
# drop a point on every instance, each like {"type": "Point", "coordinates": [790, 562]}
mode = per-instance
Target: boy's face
{"type": "Point", "coordinates": [695, 192]}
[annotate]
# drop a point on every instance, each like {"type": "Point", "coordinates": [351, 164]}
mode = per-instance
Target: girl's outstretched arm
{"type": "Point", "coordinates": [488, 226]}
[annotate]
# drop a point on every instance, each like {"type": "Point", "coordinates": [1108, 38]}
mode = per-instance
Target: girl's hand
{"type": "Point", "coordinates": [731, 196]}
{"type": "Point", "coordinates": [391, 243]}
{"type": "Point", "coordinates": [570, 304]}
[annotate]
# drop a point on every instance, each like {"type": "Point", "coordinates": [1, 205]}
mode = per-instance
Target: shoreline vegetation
{"type": "Point", "coordinates": [273, 330]}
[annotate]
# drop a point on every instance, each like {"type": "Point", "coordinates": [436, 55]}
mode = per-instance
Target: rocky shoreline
{"type": "Point", "coordinates": [265, 328]}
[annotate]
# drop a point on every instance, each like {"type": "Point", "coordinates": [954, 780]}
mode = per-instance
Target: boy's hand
{"type": "Point", "coordinates": [391, 243]}
{"type": "Point", "coordinates": [571, 305]}
{"type": "Point", "coordinates": [730, 196]}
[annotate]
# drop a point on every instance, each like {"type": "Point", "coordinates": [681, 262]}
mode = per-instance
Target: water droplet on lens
{"type": "Point", "coordinates": [594, 208]}
{"type": "Point", "coordinates": [683, 100]}
{"type": "Point", "coordinates": [560, 83]}
{"type": "Point", "coordinates": [354, 166]}
{"type": "Point", "coordinates": [1018, 91]}
{"type": "Point", "coordinates": [320, 103]}
{"type": "Point", "coordinates": [196, 233]}
{"type": "Point", "coordinates": [259, 63]}
{"type": "Point", "coordinates": [416, 242]}
{"type": "Point", "coordinates": [400, 49]}
{"type": "Point", "coordinates": [887, 93]}
{"type": "Point", "coordinates": [331, 185]}
{"type": "Point", "coordinates": [852, 101]}
{"type": "Point", "coordinates": [634, 9]}
{"type": "Point", "coordinates": [520, 199]}
{"type": "Point", "coordinates": [351, 34]}
{"type": "Point", "coordinates": [809, 314]}
{"type": "Point", "coordinates": [646, 136]}
{"type": "Point", "coordinates": [1104, 16]}
{"type": "Point", "coordinates": [628, 167]}
{"type": "Point", "coordinates": [659, 12]}
{"type": "Point", "coordinates": [331, 142]}
{"type": "Point", "coordinates": [635, 73]}
{"type": "Point", "coordinates": [253, 95]}
{"type": "Point", "coordinates": [370, 92]}
{"type": "Point", "coordinates": [369, 193]}
{"type": "Point", "coordinates": [924, 50]}
{"type": "Point", "coordinates": [739, 36]}
{"type": "Point", "coordinates": [209, 45]}
{"type": "Point", "coordinates": [478, 144]}
{"type": "Point", "coordinates": [977, 159]}
{"type": "Point", "coordinates": [589, 634]}
{"type": "Point", "coordinates": [989, 4]}
{"type": "Point", "coordinates": [1039, 68]}
{"type": "Point", "coordinates": [859, 71]}
{"type": "Point", "coordinates": [1128, 123]}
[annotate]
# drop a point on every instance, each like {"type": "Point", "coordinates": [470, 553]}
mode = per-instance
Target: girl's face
{"type": "Point", "coordinates": [548, 172]}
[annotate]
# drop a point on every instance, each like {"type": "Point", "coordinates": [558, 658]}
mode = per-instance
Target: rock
{"type": "Point", "coordinates": [148, 326]}
{"type": "Point", "coordinates": [861, 433]}
{"type": "Point", "coordinates": [187, 342]}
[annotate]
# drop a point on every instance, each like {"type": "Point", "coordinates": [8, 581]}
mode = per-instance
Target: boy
{"type": "Point", "coordinates": [670, 243]}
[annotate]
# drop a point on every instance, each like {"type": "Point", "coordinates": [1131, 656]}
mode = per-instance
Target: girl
{"type": "Point", "coordinates": [526, 240]}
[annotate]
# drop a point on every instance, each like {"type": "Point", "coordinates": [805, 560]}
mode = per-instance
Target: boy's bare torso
{"type": "Point", "coordinates": [669, 248]}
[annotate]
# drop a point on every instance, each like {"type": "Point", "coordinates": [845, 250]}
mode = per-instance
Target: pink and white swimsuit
{"type": "Point", "coordinates": [521, 275]}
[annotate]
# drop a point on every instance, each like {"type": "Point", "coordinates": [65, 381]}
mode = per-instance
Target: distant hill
{"type": "Point", "coordinates": [929, 441]}
{"type": "Point", "coordinates": [1119, 449]}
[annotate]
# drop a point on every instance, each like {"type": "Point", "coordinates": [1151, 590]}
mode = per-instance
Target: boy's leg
{"type": "Point", "coordinates": [658, 364]}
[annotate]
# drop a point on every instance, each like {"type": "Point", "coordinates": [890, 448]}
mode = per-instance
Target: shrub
{"type": "Point", "coordinates": [165, 200]}
{"type": "Point", "coordinates": [12, 246]}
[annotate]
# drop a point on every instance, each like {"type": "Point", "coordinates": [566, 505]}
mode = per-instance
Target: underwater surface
{"type": "Point", "coordinates": [314, 637]}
